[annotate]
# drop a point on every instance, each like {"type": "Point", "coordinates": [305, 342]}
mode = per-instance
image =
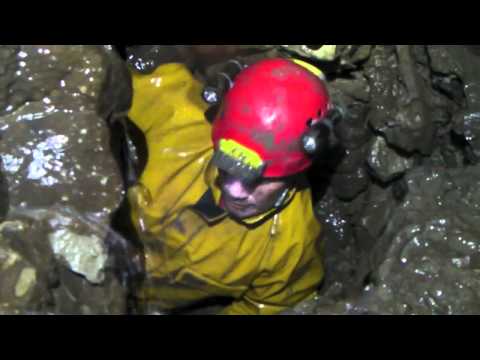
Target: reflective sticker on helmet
{"type": "Point", "coordinates": [240, 153]}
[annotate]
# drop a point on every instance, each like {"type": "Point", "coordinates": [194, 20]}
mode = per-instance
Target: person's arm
{"type": "Point", "coordinates": [169, 110]}
{"type": "Point", "coordinates": [294, 278]}
{"type": "Point", "coordinates": [271, 295]}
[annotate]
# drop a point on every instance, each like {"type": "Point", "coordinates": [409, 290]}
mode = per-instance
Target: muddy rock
{"type": "Point", "coordinates": [61, 174]}
{"type": "Point", "coordinates": [351, 176]}
{"type": "Point", "coordinates": [456, 74]}
{"type": "Point", "coordinates": [40, 276]}
{"type": "Point", "coordinates": [429, 267]}
{"type": "Point", "coordinates": [341, 264]}
{"type": "Point", "coordinates": [376, 214]}
{"type": "Point", "coordinates": [385, 163]}
{"type": "Point", "coordinates": [351, 57]}
{"type": "Point", "coordinates": [460, 64]}
{"type": "Point", "coordinates": [352, 131]}
{"type": "Point", "coordinates": [348, 186]}
{"type": "Point", "coordinates": [402, 98]}
{"type": "Point", "coordinates": [55, 146]}
{"type": "Point", "coordinates": [372, 222]}
{"type": "Point", "coordinates": [60, 157]}
{"type": "Point", "coordinates": [25, 268]}
{"type": "Point", "coordinates": [357, 89]}
{"type": "Point", "coordinates": [146, 58]}
{"type": "Point", "coordinates": [409, 103]}
{"type": "Point", "coordinates": [455, 60]}
{"type": "Point", "coordinates": [431, 264]}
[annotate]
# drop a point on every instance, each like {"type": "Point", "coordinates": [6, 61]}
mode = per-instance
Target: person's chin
{"type": "Point", "coordinates": [238, 212]}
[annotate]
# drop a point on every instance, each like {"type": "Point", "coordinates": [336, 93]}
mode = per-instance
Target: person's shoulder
{"type": "Point", "coordinates": [167, 99]}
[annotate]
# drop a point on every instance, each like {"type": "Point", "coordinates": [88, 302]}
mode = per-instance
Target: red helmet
{"type": "Point", "coordinates": [259, 129]}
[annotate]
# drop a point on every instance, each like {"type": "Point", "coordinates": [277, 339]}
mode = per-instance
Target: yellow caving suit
{"type": "Point", "coordinates": [193, 250]}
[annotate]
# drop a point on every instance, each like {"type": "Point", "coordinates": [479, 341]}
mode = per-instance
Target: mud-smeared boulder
{"type": "Point", "coordinates": [43, 274]}
{"type": "Point", "coordinates": [56, 110]}
{"type": "Point", "coordinates": [55, 146]}
{"type": "Point", "coordinates": [431, 262]}
{"type": "Point", "coordinates": [413, 228]}
{"type": "Point", "coordinates": [385, 162]}
{"type": "Point", "coordinates": [460, 65]}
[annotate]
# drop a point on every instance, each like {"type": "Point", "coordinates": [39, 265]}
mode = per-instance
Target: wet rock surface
{"type": "Point", "coordinates": [55, 144]}
{"type": "Point", "coordinates": [426, 247]}
{"type": "Point", "coordinates": [61, 178]}
{"type": "Point", "coordinates": [385, 162]}
{"type": "Point", "coordinates": [40, 277]}
{"type": "Point", "coordinates": [410, 242]}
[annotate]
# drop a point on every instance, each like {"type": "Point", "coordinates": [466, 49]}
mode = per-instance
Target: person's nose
{"type": "Point", "coordinates": [235, 189]}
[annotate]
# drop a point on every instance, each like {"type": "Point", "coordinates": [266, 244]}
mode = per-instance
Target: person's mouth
{"type": "Point", "coordinates": [236, 206]}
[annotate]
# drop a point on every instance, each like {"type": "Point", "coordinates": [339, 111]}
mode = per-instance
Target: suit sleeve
{"type": "Point", "coordinates": [293, 279]}
{"type": "Point", "coordinates": [169, 110]}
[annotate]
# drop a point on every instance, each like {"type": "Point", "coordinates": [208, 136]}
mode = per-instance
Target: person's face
{"type": "Point", "coordinates": [243, 200]}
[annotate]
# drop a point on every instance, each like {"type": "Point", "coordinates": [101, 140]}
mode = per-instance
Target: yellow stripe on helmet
{"type": "Point", "coordinates": [313, 69]}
